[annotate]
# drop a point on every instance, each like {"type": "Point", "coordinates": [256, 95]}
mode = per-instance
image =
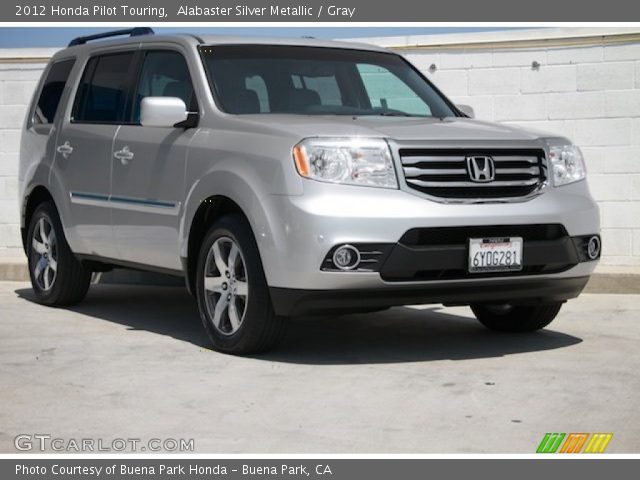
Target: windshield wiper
{"type": "Point", "coordinates": [391, 113]}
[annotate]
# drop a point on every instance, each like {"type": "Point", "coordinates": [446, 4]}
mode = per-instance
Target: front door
{"type": "Point", "coordinates": [149, 168]}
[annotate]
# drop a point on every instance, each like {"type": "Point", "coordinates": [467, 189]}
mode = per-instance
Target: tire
{"type": "Point", "coordinates": [516, 318]}
{"type": "Point", "coordinates": [58, 278]}
{"type": "Point", "coordinates": [244, 323]}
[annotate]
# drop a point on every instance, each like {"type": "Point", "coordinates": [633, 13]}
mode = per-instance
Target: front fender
{"type": "Point", "coordinates": [245, 195]}
{"type": "Point", "coordinates": [251, 170]}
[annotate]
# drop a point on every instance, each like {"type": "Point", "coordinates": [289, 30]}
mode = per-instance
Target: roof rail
{"type": "Point", "coordinates": [132, 32]}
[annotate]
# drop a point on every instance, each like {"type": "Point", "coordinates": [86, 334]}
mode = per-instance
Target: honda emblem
{"type": "Point", "coordinates": [481, 168]}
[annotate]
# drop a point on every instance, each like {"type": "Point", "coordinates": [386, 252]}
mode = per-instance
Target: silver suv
{"type": "Point", "coordinates": [283, 177]}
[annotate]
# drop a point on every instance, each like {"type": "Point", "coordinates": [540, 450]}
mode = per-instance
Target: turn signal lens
{"type": "Point", "coordinates": [301, 163]}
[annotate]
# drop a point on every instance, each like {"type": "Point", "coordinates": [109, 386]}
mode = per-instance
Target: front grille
{"type": "Point", "coordinates": [444, 173]}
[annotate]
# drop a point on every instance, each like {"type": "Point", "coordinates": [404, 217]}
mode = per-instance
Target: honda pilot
{"type": "Point", "coordinates": [287, 177]}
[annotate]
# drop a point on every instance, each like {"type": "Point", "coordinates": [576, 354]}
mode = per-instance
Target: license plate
{"type": "Point", "coordinates": [502, 254]}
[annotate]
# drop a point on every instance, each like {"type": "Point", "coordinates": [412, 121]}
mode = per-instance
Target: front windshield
{"type": "Point", "coordinates": [252, 79]}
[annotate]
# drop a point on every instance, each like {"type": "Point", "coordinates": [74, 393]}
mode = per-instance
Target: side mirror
{"type": "Point", "coordinates": [467, 110]}
{"type": "Point", "coordinates": [162, 111]}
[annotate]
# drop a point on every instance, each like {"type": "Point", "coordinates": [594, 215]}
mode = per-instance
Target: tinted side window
{"type": "Point", "coordinates": [51, 94]}
{"type": "Point", "coordinates": [164, 74]}
{"type": "Point", "coordinates": [103, 91]}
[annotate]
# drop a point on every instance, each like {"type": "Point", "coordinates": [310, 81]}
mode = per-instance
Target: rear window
{"type": "Point", "coordinates": [103, 92]}
{"type": "Point", "coordinates": [51, 93]}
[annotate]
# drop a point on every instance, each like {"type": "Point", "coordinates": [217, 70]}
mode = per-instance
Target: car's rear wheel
{"type": "Point", "coordinates": [516, 318]}
{"type": "Point", "coordinates": [58, 278]}
{"type": "Point", "coordinates": [233, 296]}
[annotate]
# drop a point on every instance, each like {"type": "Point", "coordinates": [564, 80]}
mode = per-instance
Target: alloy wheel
{"type": "Point", "coordinates": [226, 287]}
{"type": "Point", "coordinates": [43, 244]}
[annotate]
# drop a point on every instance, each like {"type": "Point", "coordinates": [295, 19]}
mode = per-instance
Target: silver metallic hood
{"type": "Point", "coordinates": [396, 128]}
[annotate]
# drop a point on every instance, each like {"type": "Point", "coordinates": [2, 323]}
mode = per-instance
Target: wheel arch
{"type": "Point", "coordinates": [209, 210]}
{"type": "Point", "coordinates": [37, 195]}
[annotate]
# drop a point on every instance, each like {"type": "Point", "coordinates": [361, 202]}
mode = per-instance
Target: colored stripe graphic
{"type": "Point", "coordinates": [574, 443]}
{"type": "Point", "coordinates": [598, 443]}
{"type": "Point", "coordinates": [550, 443]}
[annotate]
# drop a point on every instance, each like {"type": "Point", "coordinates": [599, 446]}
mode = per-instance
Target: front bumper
{"type": "Point", "coordinates": [443, 253]}
{"type": "Point", "coordinates": [298, 231]}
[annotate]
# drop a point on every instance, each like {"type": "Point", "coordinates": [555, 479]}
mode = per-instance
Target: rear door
{"type": "Point", "coordinates": [84, 149]}
{"type": "Point", "coordinates": [149, 167]}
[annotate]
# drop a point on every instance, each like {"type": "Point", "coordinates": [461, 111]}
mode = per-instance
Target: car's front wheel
{"type": "Point", "coordinates": [516, 318]}
{"type": "Point", "coordinates": [233, 296]}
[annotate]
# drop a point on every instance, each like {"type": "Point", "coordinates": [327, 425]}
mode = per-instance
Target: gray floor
{"type": "Point", "coordinates": [133, 362]}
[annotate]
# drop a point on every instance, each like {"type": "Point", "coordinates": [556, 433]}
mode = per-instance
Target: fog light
{"type": "Point", "coordinates": [346, 257]}
{"type": "Point", "coordinates": [593, 247]}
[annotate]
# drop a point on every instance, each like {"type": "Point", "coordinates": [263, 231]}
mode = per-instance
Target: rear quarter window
{"type": "Point", "coordinates": [51, 93]}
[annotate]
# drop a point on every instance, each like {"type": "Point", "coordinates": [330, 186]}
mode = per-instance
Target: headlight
{"type": "Point", "coordinates": [567, 164]}
{"type": "Point", "coordinates": [352, 161]}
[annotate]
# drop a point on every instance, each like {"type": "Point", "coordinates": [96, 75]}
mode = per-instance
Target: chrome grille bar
{"type": "Point", "coordinates": [444, 172]}
{"type": "Point", "coordinates": [416, 172]}
{"type": "Point", "coordinates": [495, 183]}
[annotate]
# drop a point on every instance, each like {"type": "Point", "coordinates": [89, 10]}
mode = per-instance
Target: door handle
{"type": "Point", "coordinates": [65, 149]}
{"type": "Point", "coordinates": [125, 155]}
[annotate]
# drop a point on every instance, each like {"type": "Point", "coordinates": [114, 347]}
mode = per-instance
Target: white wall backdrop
{"type": "Point", "coordinates": [580, 82]}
